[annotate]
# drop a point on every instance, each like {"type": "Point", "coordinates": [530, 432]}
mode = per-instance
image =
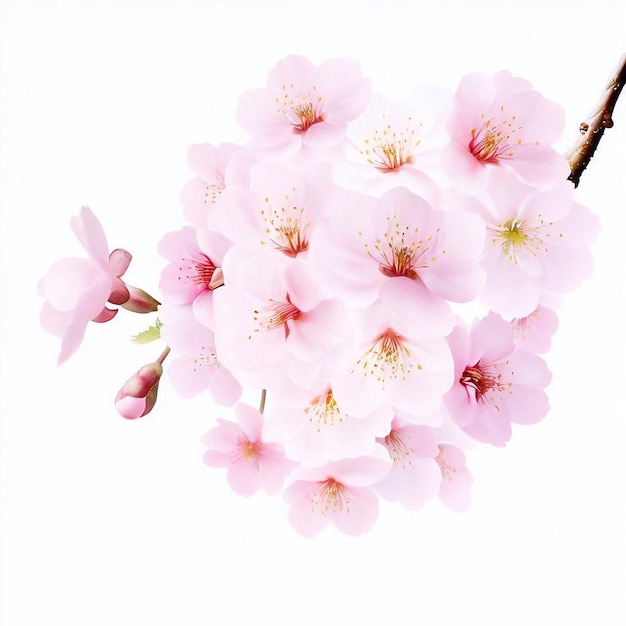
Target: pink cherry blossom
{"type": "Point", "coordinates": [391, 136]}
{"type": "Point", "coordinates": [272, 311]}
{"type": "Point", "coordinates": [415, 476]}
{"type": "Point", "coordinates": [537, 244]}
{"type": "Point", "coordinates": [339, 492]}
{"type": "Point", "coordinates": [215, 169]}
{"type": "Point", "coordinates": [500, 121]}
{"type": "Point", "coordinates": [319, 430]}
{"type": "Point", "coordinates": [194, 270]}
{"type": "Point", "coordinates": [397, 144]}
{"type": "Point", "coordinates": [252, 462]}
{"type": "Point", "coordinates": [533, 333]}
{"type": "Point", "coordinates": [495, 384]}
{"type": "Point", "coordinates": [194, 365]}
{"type": "Point", "coordinates": [456, 480]}
{"type": "Point", "coordinates": [391, 365]}
{"type": "Point", "coordinates": [278, 210]}
{"type": "Point", "coordinates": [138, 395]}
{"type": "Point", "coordinates": [401, 250]}
{"type": "Point", "coordinates": [77, 290]}
{"type": "Point", "coordinates": [304, 104]}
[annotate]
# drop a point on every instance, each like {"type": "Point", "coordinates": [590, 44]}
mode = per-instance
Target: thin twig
{"type": "Point", "coordinates": [163, 355]}
{"type": "Point", "coordinates": [262, 403]}
{"type": "Point", "coordinates": [592, 129]}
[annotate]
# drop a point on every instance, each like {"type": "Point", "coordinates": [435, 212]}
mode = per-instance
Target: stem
{"type": "Point", "coordinates": [592, 129]}
{"type": "Point", "coordinates": [163, 355]}
{"type": "Point", "coordinates": [262, 403]}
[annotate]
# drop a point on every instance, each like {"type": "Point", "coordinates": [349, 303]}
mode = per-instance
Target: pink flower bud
{"type": "Point", "coordinates": [139, 301]}
{"type": "Point", "coordinates": [138, 395]}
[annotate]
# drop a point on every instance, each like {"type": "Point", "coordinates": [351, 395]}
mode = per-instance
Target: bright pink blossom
{"type": "Point", "coordinates": [304, 104]}
{"type": "Point", "coordinates": [339, 492]}
{"type": "Point", "coordinates": [252, 462]}
{"type": "Point", "coordinates": [194, 270]}
{"type": "Point", "coordinates": [77, 290]}
{"type": "Point", "coordinates": [495, 384]}
{"type": "Point", "coordinates": [501, 122]}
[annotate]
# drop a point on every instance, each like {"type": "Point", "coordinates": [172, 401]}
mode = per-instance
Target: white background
{"type": "Point", "coordinates": [109, 522]}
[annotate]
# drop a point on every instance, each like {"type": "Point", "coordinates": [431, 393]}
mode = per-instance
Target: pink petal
{"type": "Point", "coordinates": [119, 260]}
{"type": "Point", "coordinates": [250, 420]}
{"type": "Point", "coordinates": [244, 478]}
{"type": "Point", "coordinates": [91, 235]}
{"type": "Point", "coordinates": [361, 514]}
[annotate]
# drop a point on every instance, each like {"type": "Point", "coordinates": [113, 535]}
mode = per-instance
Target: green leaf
{"type": "Point", "coordinates": [151, 334]}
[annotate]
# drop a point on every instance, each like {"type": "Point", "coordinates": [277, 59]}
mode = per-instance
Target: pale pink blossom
{"type": "Point", "coordinates": [339, 492]}
{"type": "Point", "coordinates": [456, 480]}
{"type": "Point", "coordinates": [252, 462]}
{"type": "Point", "coordinates": [391, 136]}
{"type": "Point", "coordinates": [304, 104]}
{"type": "Point", "coordinates": [77, 290]}
{"type": "Point", "coordinates": [138, 394]}
{"type": "Point", "coordinates": [500, 122]}
{"type": "Point", "coordinates": [401, 250]}
{"type": "Point", "coordinates": [415, 476]}
{"type": "Point", "coordinates": [389, 364]}
{"type": "Point", "coordinates": [537, 244]}
{"type": "Point", "coordinates": [318, 430]}
{"type": "Point", "coordinates": [194, 365]}
{"type": "Point", "coordinates": [278, 210]}
{"type": "Point", "coordinates": [533, 333]}
{"type": "Point", "coordinates": [495, 384]}
{"type": "Point", "coordinates": [274, 313]}
{"type": "Point", "coordinates": [397, 144]}
{"type": "Point", "coordinates": [215, 169]}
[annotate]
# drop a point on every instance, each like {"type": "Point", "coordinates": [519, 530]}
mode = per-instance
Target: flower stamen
{"type": "Point", "coordinates": [325, 411]}
{"type": "Point", "coordinates": [246, 451]}
{"type": "Point", "coordinates": [399, 251]}
{"type": "Point", "coordinates": [398, 448]}
{"type": "Point", "coordinates": [199, 272]}
{"type": "Point", "coordinates": [387, 358]}
{"type": "Point", "coordinates": [493, 142]}
{"type": "Point", "coordinates": [302, 110]}
{"type": "Point", "coordinates": [331, 497]}
{"type": "Point", "coordinates": [277, 314]}
{"type": "Point", "coordinates": [389, 150]}
{"type": "Point", "coordinates": [286, 227]}
{"type": "Point", "coordinates": [486, 383]}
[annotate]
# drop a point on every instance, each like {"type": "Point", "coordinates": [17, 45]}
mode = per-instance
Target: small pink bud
{"type": "Point", "coordinates": [140, 301]}
{"type": "Point", "coordinates": [138, 395]}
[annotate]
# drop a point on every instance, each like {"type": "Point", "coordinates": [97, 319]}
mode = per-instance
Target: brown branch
{"type": "Point", "coordinates": [592, 129]}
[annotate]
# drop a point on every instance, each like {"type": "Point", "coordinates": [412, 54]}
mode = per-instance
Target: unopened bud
{"type": "Point", "coordinates": [138, 395]}
{"type": "Point", "coordinates": [140, 301]}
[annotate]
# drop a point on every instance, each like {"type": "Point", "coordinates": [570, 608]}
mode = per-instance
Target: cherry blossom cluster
{"type": "Point", "coordinates": [329, 265]}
